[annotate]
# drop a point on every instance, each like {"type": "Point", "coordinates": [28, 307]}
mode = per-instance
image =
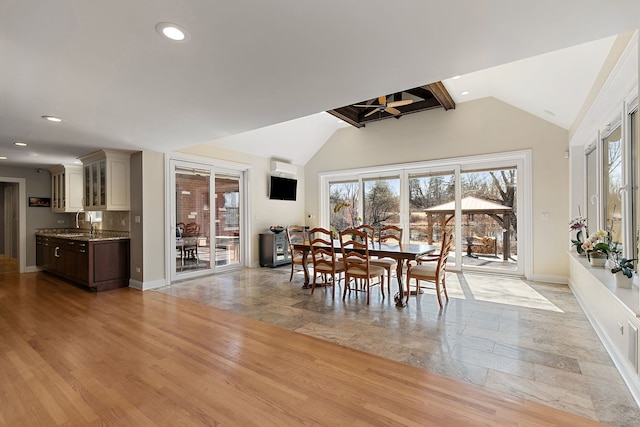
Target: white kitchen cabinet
{"type": "Point", "coordinates": [66, 188]}
{"type": "Point", "coordinates": [106, 180]}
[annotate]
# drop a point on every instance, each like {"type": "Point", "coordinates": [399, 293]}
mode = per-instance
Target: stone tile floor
{"type": "Point", "coordinates": [527, 339]}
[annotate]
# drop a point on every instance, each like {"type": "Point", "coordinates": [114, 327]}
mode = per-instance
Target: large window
{"type": "Point", "coordinates": [382, 201]}
{"type": "Point", "coordinates": [431, 193]}
{"type": "Point", "coordinates": [344, 204]}
{"type": "Point", "coordinates": [592, 194]}
{"type": "Point", "coordinates": [480, 199]}
{"type": "Point", "coordinates": [613, 183]}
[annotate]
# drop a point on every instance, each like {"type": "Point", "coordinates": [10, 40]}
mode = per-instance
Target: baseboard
{"type": "Point", "coordinates": [550, 279]}
{"type": "Point", "coordinates": [32, 269]}
{"type": "Point", "coordinates": [145, 286]}
{"type": "Point", "coordinates": [628, 375]}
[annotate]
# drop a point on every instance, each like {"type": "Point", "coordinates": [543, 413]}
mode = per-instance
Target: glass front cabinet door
{"type": "Point", "coordinates": [66, 188]}
{"type": "Point", "coordinates": [106, 180]}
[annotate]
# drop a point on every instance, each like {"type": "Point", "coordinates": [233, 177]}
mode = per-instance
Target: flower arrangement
{"type": "Point", "coordinates": [598, 244]}
{"type": "Point", "coordinates": [578, 224]}
{"type": "Point", "coordinates": [621, 264]}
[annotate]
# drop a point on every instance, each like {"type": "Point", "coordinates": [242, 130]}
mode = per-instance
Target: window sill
{"type": "Point", "coordinates": [628, 297]}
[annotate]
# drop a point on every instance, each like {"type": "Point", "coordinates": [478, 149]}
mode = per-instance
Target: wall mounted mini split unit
{"type": "Point", "coordinates": [285, 168]}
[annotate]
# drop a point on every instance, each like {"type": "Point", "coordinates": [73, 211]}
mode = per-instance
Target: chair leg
{"type": "Point", "coordinates": [313, 285]}
{"type": "Point", "coordinates": [438, 292]}
{"type": "Point", "coordinates": [444, 287]}
{"type": "Point", "coordinates": [291, 276]}
{"type": "Point", "coordinates": [333, 286]}
{"type": "Point", "coordinates": [389, 281]}
{"type": "Point", "coordinates": [367, 283]}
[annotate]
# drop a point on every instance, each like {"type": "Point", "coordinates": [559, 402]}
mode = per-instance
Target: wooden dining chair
{"type": "Point", "coordinates": [355, 254]}
{"type": "Point", "coordinates": [429, 270]}
{"type": "Point", "coordinates": [324, 258]}
{"type": "Point", "coordinates": [296, 234]}
{"type": "Point", "coordinates": [389, 234]}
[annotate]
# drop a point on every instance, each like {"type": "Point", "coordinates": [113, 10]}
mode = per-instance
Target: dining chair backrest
{"type": "Point", "coordinates": [366, 228]}
{"type": "Point", "coordinates": [390, 234]}
{"type": "Point", "coordinates": [355, 251]}
{"type": "Point", "coordinates": [447, 242]}
{"type": "Point", "coordinates": [322, 253]}
{"type": "Point", "coordinates": [442, 256]}
{"type": "Point", "coordinates": [295, 234]}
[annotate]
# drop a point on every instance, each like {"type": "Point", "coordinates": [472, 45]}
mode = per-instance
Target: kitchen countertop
{"type": "Point", "coordinates": [82, 234]}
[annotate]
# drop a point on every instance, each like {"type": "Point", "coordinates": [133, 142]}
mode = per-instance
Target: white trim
{"type": "Point", "coordinates": [562, 280]}
{"type": "Point", "coordinates": [32, 269]}
{"type": "Point", "coordinates": [145, 286]}
{"type": "Point", "coordinates": [22, 219]}
{"type": "Point", "coordinates": [630, 377]}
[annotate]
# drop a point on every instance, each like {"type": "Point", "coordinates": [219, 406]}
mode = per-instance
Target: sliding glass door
{"type": "Point", "coordinates": [479, 200]}
{"type": "Point", "coordinates": [227, 219]}
{"type": "Point", "coordinates": [207, 219]}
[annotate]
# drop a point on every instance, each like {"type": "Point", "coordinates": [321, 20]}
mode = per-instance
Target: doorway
{"type": "Point", "coordinates": [207, 211]}
{"type": "Point", "coordinates": [13, 203]}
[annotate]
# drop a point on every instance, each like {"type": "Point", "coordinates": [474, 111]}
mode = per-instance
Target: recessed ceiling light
{"type": "Point", "coordinates": [3, 158]}
{"type": "Point", "coordinates": [465, 92]}
{"type": "Point", "coordinates": [173, 32]}
{"type": "Point", "coordinates": [20, 144]}
{"type": "Point", "coordinates": [52, 119]}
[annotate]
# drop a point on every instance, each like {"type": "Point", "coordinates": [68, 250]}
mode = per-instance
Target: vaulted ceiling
{"type": "Point", "coordinates": [247, 65]}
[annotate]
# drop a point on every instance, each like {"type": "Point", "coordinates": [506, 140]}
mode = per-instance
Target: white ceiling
{"type": "Point", "coordinates": [103, 68]}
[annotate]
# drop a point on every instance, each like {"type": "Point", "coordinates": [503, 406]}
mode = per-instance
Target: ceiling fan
{"type": "Point", "coordinates": [383, 106]}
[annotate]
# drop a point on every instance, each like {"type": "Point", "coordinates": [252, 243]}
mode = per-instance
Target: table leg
{"type": "Point", "coordinates": [306, 285]}
{"type": "Point", "coordinates": [400, 302]}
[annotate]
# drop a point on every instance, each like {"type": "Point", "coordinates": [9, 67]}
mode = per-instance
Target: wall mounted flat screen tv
{"type": "Point", "coordinates": [282, 188]}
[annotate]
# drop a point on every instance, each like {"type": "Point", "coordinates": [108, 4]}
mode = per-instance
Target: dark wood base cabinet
{"type": "Point", "coordinates": [97, 264]}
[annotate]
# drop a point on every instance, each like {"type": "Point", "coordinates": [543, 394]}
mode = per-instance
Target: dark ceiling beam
{"type": "Point", "coordinates": [431, 96]}
{"type": "Point", "coordinates": [346, 118]}
{"type": "Point", "coordinates": [421, 92]}
{"type": "Point", "coordinates": [442, 95]}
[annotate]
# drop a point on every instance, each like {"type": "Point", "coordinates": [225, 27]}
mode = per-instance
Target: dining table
{"type": "Point", "coordinates": [402, 253]}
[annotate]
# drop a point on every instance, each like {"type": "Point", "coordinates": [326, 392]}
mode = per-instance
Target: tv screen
{"type": "Point", "coordinates": [283, 188]}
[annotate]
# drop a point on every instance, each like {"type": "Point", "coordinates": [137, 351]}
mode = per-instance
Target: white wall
{"type": "Point", "coordinates": [479, 127]}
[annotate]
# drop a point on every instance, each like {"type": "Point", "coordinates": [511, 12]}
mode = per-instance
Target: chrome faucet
{"type": "Point", "coordinates": [77, 214]}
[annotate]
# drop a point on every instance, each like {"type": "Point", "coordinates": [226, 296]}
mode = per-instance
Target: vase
{"type": "Point", "coordinates": [623, 281]}
{"type": "Point", "coordinates": [597, 260]}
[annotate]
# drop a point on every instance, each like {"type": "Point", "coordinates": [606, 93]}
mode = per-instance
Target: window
{"type": "Point", "coordinates": [424, 198]}
{"type": "Point", "coordinates": [613, 185]}
{"type": "Point", "coordinates": [633, 177]}
{"type": "Point", "coordinates": [592, 188]}
{"type": "Point", "coordinates": [344, 204]}
{"type": "Point", "coordinates": [382, 202]}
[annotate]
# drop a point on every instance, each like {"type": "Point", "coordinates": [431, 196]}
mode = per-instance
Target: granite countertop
{"type": "Point", "coordinates": [82, 234]}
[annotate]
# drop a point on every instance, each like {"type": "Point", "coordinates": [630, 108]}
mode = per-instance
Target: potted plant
{"type": "Point", "coordinates": [578, 224]}
{"type": "Point", "coordinates": [597, 247]}
{"type": "Point", "coordinates": [622, 269]}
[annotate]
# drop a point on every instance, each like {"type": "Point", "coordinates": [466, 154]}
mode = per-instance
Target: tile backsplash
{"type": "Point", "coordinates": [111, 221]}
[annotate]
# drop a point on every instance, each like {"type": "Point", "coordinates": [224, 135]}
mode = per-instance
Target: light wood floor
{"type": "Point", "coordinates": [124, 357]}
